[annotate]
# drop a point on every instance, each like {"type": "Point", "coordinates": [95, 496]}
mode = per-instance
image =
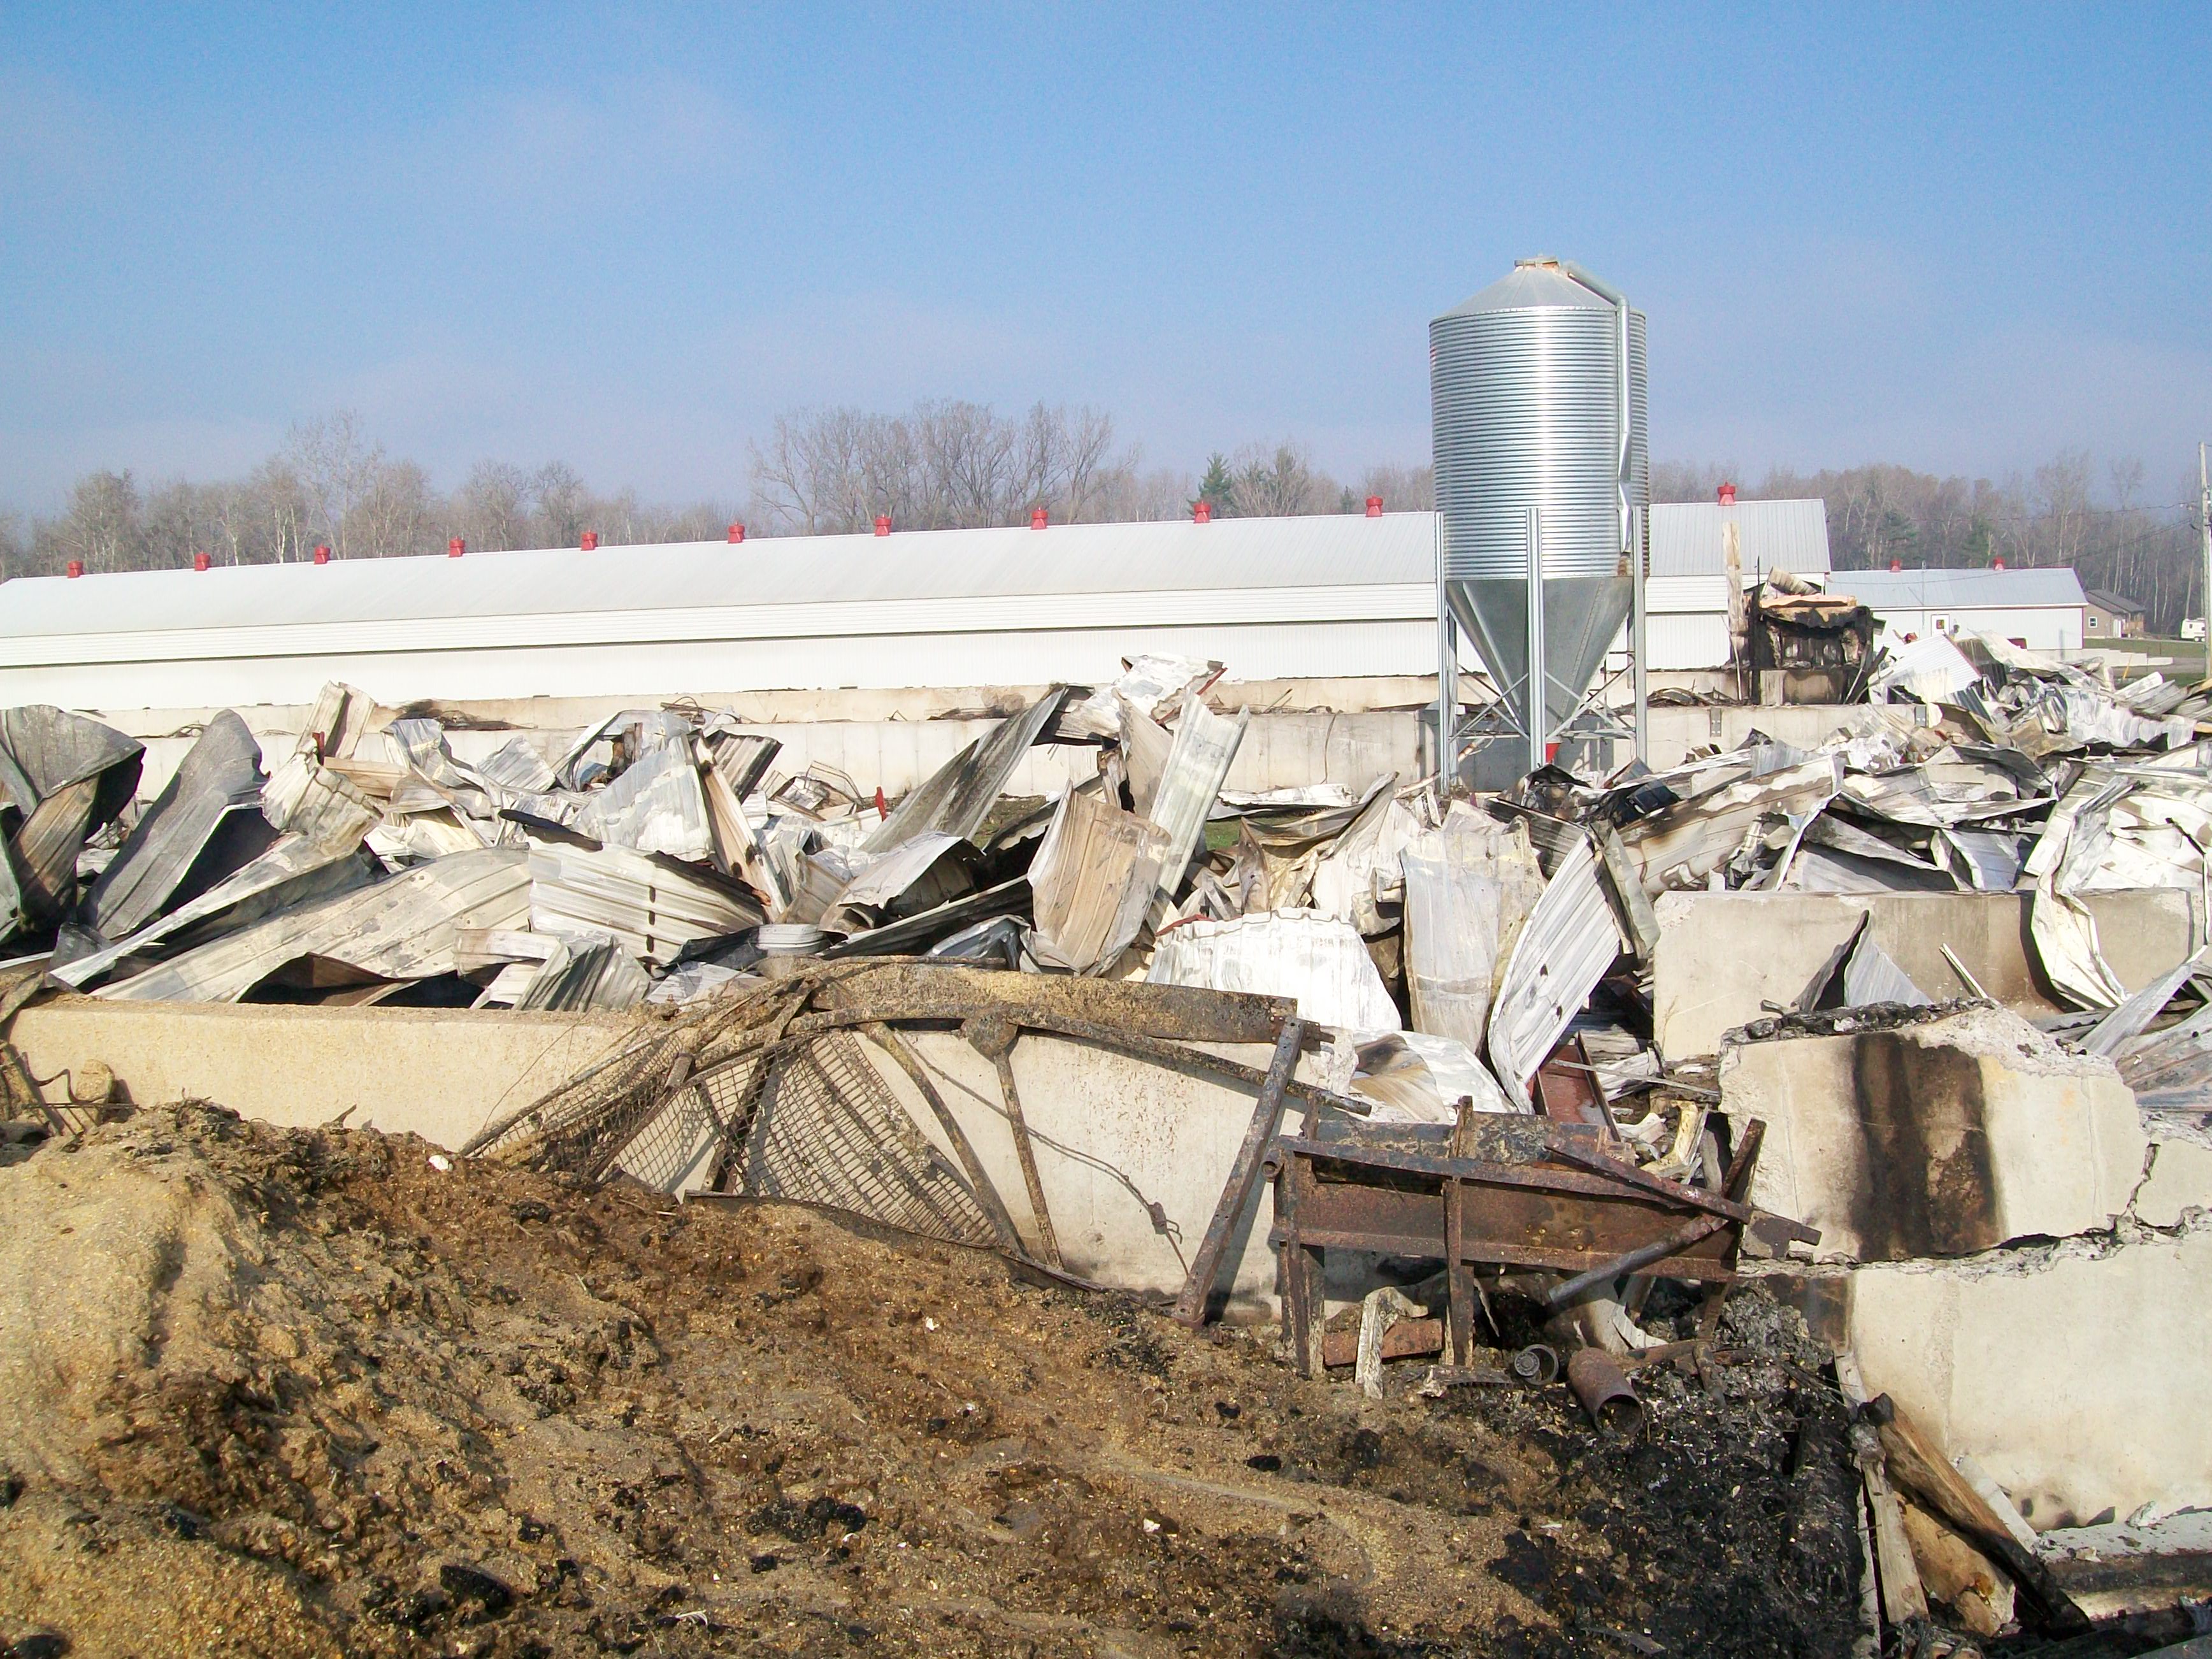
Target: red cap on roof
{"type": "Point", "coordinates": [1373, 507]}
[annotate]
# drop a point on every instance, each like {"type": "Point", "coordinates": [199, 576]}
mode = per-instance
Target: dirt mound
{"type": "Point", "coordinates": [303, 1392]}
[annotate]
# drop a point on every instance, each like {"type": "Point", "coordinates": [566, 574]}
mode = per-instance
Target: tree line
{"type": "Point", "coordinates": [2105, 524]}
{"type": "Point", "coordinates": [946, 464]}
{"type": "Point", "coordinates": [940, 464]}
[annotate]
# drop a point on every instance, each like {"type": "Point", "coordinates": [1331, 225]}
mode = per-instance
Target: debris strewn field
{"type": "Point", "coordinates": [308, 1392]}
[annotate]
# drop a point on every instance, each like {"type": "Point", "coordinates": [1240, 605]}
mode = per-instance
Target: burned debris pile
{"type": "Point", "coordinates": [1482, 1097]}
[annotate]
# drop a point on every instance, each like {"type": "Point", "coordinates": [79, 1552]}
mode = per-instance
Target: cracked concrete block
{"type": "Point", "coordinates": [1937, 1139]}
{"type": "Point", "coordinates": [2180, 1181]}
{"type": "Point", "coordinates": [2075, 1373]}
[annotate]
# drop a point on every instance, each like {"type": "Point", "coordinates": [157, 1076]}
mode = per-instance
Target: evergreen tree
{"type": "Point", "coordinates": [1218, 487]}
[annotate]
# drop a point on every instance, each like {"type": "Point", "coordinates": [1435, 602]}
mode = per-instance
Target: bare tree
{"type": "Point", "coordinates": [102, 524]}
{"type": "Point", "coordinates": [337, 467]}
{"type": "Point", "coordinates": [1281, 482]}
{"type": "Point", "coordinates": [284, 508]}
{"type": "Point", "coordinates": [396, 515]}
{"type": "Point", "coordinates": [562, 504]}
{"type": "Point", "coordinates": [491, 509]}
{"type": "Point", "coordinates": [1403, 489]}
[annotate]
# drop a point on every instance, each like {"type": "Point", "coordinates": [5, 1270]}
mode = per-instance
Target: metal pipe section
{"type": "Point", "coordinates": [1447, 676]}
{"type": "Point", "coordinates": [1639, 529]}
{"type": "Point", "coordinates": [1604, 1390]}
{"type": "Point", "coordinates": [1537, 721]}
{"type": "Point", "coordinates": [1613, 297]}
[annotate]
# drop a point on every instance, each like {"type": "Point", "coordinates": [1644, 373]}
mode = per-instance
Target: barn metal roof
{"type": "Point", "coordinates": [1327, 550]}
{"type": "Point", "coordinates": [1937, 590]}
{"type": "Point", "coordinates": [1791, 536]}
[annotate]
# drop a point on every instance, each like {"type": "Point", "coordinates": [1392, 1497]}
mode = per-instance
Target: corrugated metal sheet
{"type": "Point", "coordinates": [1791, 536]}
{"type": "Point", "coordinates": [1923, 590]}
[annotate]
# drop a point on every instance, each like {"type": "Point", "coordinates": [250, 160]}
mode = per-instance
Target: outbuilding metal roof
{"type": "Point", "coordinates": [1791, 536]}
{"type": "Point", "coordinates": [1941, 589]}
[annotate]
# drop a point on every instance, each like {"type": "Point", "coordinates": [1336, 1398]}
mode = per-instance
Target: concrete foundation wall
{"type": "Point", "coordinates": [1722, 955]}
{"type": "Point", "coordinates": [2077, 1377]}
{"type": "Point", "coordinates": [1113, 1135]}
{"type": "Point", "coordinates": [1346, 731]}
{"type": "Point", "coordinates": [441, 1074]}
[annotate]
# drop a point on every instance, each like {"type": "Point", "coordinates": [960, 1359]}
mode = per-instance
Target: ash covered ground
{"type": "Point", "coordinates": [293, 1392]}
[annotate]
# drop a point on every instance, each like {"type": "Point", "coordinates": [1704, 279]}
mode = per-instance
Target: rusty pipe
{"type": "Point", "coordinates": [1603, 1389]}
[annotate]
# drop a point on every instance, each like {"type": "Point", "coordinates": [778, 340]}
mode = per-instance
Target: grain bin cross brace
{"type": "Point", "coordinates": [1543, 479]}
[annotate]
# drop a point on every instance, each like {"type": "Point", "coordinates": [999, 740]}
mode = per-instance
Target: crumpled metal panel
{"type": "Point", "coordinates": [295, 869]}
{"type": "Point", "coordinates": [1093, 877]}
{"type": "Point", "coordinates": [1321, 962]}
{"type": "Point", "coordinates": [404, 928]}
{"type": "Point", "coordinates": [1205, 745]}
{"type": "Point", "coordinates": [222, 769]}
{"type": "Point", "coordinates": [654, 907]}
{"type": "Point", "coordinates": [958, 797]}
{"type": "Point", "coordinates": [656, 806]}
{"type": "Point", "coordinates": [1569, 941]}
{"type": "Point", "coordinates": [587, 974]}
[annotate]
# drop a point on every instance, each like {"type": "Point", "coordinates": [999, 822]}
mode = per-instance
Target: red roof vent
{"type": "Point", "coordinates": [736, 534]}
{"type": "Point", "coordinates": [1038, 518]}
{"type": "Point", "coordinates": [1997, 563]}
{"type": "Point", "coordinates": [1373, 507]}
{"type": "Point", "coordinates": [1728, 494]}
{"type": "Point", "coordinates": [1897, 564]}
{"type": "Point", "coordinates": [589, 543]}
{"type": "Point", "coordinates": [74, 568]}
{"type": "Point", "coordinates": [201, 561]}
{"type": "Point", "coordinates": [1201, 513]}
{"type": "Point", "coordinates": [456, 547]}
{"type": "Point", "coordinates": [883, 523]}
{"type": "Point", "coordinates": [322, 552]}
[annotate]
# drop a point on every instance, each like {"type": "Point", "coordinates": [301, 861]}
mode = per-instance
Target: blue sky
{"type": "Point", "coordinates": [1957, 238]}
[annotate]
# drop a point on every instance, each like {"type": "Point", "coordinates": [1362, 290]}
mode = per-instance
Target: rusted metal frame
{"type": "Point", "coordinates": [1629, 1261]}
{"type": "Point", "coordinates": [1301, 1267]}
{"type": "Point", "coordinates": [1161, 1051]}
{"type": "Point", "coordinates": [908, 990]}
{"type": "Point", "coordinates": [1459, 1278]}
{"type": "Point", "coordinates": [987, 1194]}
{"type": "Point", "coordinates": [1736, 1184]}
{"type": "Point", "coordinates": [1489, 1253]}
{"type": "Point", "coordinates": [1727, 1202]}
{"type": "Point", "coordinates": [1538, 1176]}
{"type": "Point", "coordinates": [1397, 1221]}
{"type": "Point", "coordinates": [1243, 1176]}
{"type": "Point", "coordinates": [994, 1039]}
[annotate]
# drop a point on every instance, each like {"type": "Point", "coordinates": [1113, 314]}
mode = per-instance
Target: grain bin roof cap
{"type": "Point", "coordinates": [1531, 285]}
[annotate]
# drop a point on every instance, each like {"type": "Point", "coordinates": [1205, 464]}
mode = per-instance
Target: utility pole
{"type": "Point", "coordinates": [2204, 529]}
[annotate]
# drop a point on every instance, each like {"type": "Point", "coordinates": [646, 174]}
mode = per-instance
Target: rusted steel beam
{"type": "Point", "coordinates": [1160, 1051]}
{"type": "Point", "coordinates": [1629, 1261]}
{"type": "Point", "coordinates": [1243, 1175]}
{"type": "Point", "coordinates": [994, 1039]}
{"type": "Point", "coordinates": [987, 1195]}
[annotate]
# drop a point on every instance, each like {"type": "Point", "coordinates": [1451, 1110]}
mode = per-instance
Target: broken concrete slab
{"type": "Point", "coordinates": [1940, 1139]}
{"type": "Point", "coordinates": [2180, 1181]}
{"type": "Point", "coordinates": [1722, 955]}
{"type": "Point", "coordinates": [2074, 1373]}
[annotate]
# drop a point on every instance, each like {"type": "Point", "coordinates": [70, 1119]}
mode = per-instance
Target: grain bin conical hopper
{"type": "Point", "coordinates": [1538, 431]}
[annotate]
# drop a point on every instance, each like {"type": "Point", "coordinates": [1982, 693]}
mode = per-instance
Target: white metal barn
{"type": "Point", "coordinates": [2042, 610]}
{"type": "Point", "coordinates": [1327, 597]}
